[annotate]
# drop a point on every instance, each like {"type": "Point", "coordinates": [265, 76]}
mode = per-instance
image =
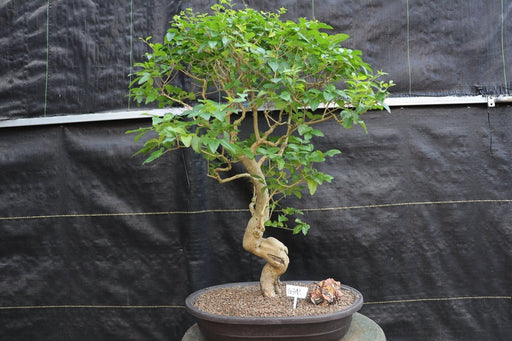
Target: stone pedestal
{"type": "Point", "coordinates": [361, 329]}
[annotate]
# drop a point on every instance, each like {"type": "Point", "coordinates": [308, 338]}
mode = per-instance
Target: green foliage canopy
{"type": "Point", "coordinates": [284, 77]}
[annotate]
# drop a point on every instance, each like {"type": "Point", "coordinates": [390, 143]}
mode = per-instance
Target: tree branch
{"type": "Point", "coordinates": [231, 178]}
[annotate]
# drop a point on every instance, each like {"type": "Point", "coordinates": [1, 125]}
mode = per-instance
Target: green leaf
{"type": "Point", "coordinates": [273, 65]}
{"type": "Point", "coordinates": [196, 143]}
{"type": "Point", "coordinates": [169, 36]}
{"type": "Point", "coordinates": [141, 132]}
{"type": "Point", "coordinates": [280, 163]}
{"type": "Point", "coordinates": [285, 95]}
{"type": "Point", "coordinates": [229, 146]}
{"type": "Point", "coordinates": [338, 38]}
{"type": "Point", "coordinates": [202, 47]}
{"type": "Point", "coordinates": [316, 156]}
{"type": "Point", "coordinates": [303, 37]}
{"type": "Point", "coordinates": [347, 122]}
{"type": "Point", "coordinates": [328, 96]}
{"type": "Point", "coordinates": [271, 223]}
{"type": "Point", "coordinates": [362, 124]}
{"type": "Point", "coordinates": [297, 229]}
{"type": "Point", "coordinates": [312, 185]}
{"type": "Point", "coordinates": [213, 145]}
{"type": "Point", "coordinates": [187, 140]}
{"type": "Point", "coordinates": [155, 155]}
{"type": "Point", "coordinates": [303, 129]}
{"type": "Point", "coordinates": [314, 104]}
{"type": "Point", "coordinates": [301, 227]}
{"type": "Point", "coordinates": [225, 41]}
{"type": "Point", "coordinates": [316, 132]}
{"type": "Point", "coordinates": [151, 97]}
{"type": "Point", "coordinates": [145, 77]}
{"type": "Point", "coordinates": [332, 152]}
{"type": "Point", "coordinates": [219, 115]}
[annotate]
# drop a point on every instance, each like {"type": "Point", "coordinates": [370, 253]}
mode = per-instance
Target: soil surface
{"type": "Point", "coordinates": [247, 301]}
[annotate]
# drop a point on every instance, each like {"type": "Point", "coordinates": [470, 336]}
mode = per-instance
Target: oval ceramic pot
{"type": "Point", "coordinates": [327, 327]}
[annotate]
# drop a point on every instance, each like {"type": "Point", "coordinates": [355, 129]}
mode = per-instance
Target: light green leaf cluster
{"type": "Point", "coordinates": [278, 77]}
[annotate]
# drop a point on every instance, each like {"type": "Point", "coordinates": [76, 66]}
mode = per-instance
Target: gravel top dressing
{"type": "Point", "coordinates": [247, 301]}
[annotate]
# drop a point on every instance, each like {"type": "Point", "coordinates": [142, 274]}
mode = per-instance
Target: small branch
{"type": "Point", "coordinates": [231, 178]}
{"type": "Point", "coordinates": [242, 117]}
{"type": "Point", "coordinates": [202, 80]}
{"type": "Point", "coordinates": [255, 126]}
{"type": "Point", "coordinates": [175, 100]}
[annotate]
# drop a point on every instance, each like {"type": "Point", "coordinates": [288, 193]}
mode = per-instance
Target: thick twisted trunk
{"type": "Point", "coordinates": [270, 249]}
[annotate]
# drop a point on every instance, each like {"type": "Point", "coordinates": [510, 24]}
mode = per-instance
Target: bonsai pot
{"type": "Point", "coordinates": [326, 327]}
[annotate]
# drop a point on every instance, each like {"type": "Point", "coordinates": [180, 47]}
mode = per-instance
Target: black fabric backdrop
{"type": "Point", "coordinates": [61, 57]}
{"type": "Point", "coordinates": [95, 246]}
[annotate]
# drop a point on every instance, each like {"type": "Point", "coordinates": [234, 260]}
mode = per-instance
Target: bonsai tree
{"type": "Point", "coordinates": [281, 79]}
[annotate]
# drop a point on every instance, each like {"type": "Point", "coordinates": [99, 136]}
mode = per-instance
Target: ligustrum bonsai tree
{"type": "Point", "coordinates": [280, 79]}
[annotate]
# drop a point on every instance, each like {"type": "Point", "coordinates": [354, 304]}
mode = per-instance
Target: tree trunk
{"type": "Point", "coordinates": [270, 249]}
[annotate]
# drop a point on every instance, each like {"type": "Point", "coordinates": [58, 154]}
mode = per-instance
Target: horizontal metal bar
{"type": "Point", "coordinates": [446, 100]}
{"type": "Point", "coordinates": [82, 118]}
{"type": "Point", "coordinates": [138, 114]}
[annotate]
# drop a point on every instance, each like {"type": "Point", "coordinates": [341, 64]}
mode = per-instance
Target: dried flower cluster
{"type": "Point", "coordinates": [326, 292]}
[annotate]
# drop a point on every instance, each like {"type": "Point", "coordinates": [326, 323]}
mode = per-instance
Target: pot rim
{"type": "Point", "coordinates": [190, 300]}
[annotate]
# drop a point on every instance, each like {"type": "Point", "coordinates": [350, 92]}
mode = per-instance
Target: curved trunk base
{"type": "Point", "coordinates": [269, 281]}
{"type": "Point", "coordinates": [276, 255]}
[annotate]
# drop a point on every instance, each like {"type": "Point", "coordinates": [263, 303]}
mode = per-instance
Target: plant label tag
{"type": "Point", "coordinates": [296, 292]}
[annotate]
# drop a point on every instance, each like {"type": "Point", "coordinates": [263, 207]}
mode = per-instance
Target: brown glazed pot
{"type": "Point", "coordinates": [328, 327]}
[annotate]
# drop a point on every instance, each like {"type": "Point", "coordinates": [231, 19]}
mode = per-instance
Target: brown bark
{"type": "Point", "coordinates": [270, 249]}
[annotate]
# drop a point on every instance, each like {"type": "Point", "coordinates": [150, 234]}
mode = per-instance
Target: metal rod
{"type": "Point", "coordinates": [82, 118]}
{"type": "Point", "coordinates": [140, 114]}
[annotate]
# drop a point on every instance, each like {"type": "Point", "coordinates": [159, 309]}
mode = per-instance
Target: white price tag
{"type": "Point", "coordinates": [296, 292]}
